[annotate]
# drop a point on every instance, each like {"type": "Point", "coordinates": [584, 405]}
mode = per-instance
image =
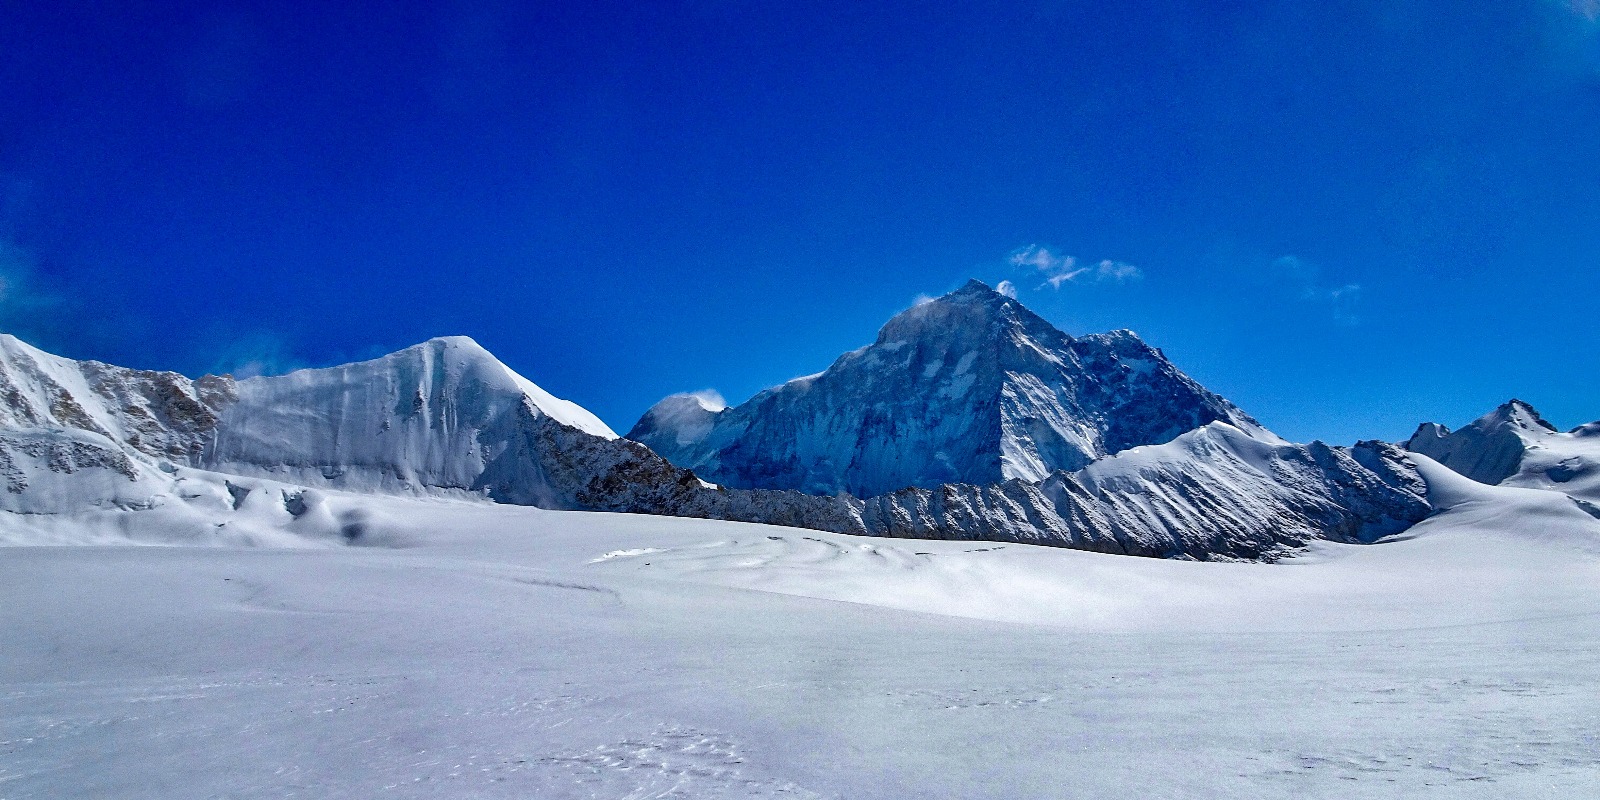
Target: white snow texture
{"type": "Point", "coordinates": [339, 610]}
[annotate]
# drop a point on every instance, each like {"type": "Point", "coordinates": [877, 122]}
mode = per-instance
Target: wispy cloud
{"type": "Point", "coordinates": [1007, 288]}
{"type": "Point", "coordinates": [1588, 9]}
{"type": "Point", "coordinates": [1118, 271]}
{"type": "Point", "coordinates": [1059, 269]}
{"type": "Point", "coordinates": [39, 308]}
{"type": "Point", "coordinates": [1341, 301]}
{"type": "Point", "coordinates": [25, 308]}
{"type": "Point", "coordinates": [255, 354]}
{"type": "Point", "coordinates": [1344, 300]}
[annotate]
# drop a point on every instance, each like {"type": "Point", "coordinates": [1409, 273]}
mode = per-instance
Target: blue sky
{"type": "Point", "coordinates": [1346, 217]}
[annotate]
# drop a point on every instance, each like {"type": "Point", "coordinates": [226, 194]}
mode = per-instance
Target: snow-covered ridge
{"type": "Point", "coordinates": [82, 434]}
{"type": "Point", "coordinates": [441, 416]}
{"type": "Point", "coordinates": [1514, 446]}
{"type": "Point", "coordinates": [92, 447]}
{"type": "Point", "coordinates": [1216, 492]}
{"type": "Point", "coordinates": [969, 388]}
{"type": "Point", "coordinates": [157, 414]}
{"type": "Point", "coordinates": [445, 417]}
{"type": "Point", "coordinates": [433, 415]}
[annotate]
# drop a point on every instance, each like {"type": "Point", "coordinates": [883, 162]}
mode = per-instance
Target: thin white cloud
{"type": "Point", "coordinates": [1007, 288]}
{"type": "Point", "coordinates": [1059, 269]}
{"type": "Point", "coordinates": [1341, 301]}
{"type": "Point", "coordinates": [1059, 278]}
{"type": "Point", "coordinates": [1040, 258]}
{"type": "Point", "coordinates": [23, 305]}
{"type": "Point", "coordinates": [1588, 9]}
{"type": "Point", "coordinates": [1344, 300]}
{"type": "Point", "coordinates": [256, 353]}
{"type": "Point", "coordinates": [1117, 271]}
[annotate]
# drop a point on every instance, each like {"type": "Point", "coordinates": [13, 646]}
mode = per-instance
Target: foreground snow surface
{"type": "Point", "coordinates": [490, 652]}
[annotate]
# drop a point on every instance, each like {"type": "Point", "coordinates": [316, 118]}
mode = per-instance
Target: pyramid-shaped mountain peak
{"type": "Point", "coordinates": [971, 387]}
{"type": "Point", "coordinates": [1519, 413]}
{"type": "Point", "coordinates": [972, 313]}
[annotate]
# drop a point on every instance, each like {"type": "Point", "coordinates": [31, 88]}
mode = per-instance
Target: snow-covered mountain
{"type": "Point", "coordinates": [441, 416]}
{"type": "Point", "coordinates": [249, 460]}
{"type": "Point", "coordinates": [969, 388]}
{"type": "Point", "coordinates": [1514, 446]}
{"type": "Point", "coordinates": [76, 434]}
{"type": "Point", "coordinates": [1215, 492]}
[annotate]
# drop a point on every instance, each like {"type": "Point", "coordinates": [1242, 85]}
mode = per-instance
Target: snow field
{"type": "Point", "coordinates": [490, 651]}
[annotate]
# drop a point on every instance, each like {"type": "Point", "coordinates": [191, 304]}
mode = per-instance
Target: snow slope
{"type": "Point", "coordinates": [1514, 446]}
{"type": "Point", "coordinates": [969, 388]}
{"type": "Point", "coordinates": [1213, 492]}
{"type": "Point", "coordinates": [156, 414]}
{"type": "Point", "coordinates": [1216, 492]}
{"type": "Point", "coordinates": [433, 416]}
{"type": "Point", "coordinates": [497, 651]}
{"type": "Point", "coordinates": [442, 416]}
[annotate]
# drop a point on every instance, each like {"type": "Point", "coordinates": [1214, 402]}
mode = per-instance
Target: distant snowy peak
{"type": "Point", "coordinates": [1513, 445]}
{"type": "Point", "coordinates": [684, 419]}
{"type": "Point", "coordinates": [971, 317]}
{"type": "Point", "coordinates": [969, 388]}
{"type": "Point", "coordinates": [1514, 415]}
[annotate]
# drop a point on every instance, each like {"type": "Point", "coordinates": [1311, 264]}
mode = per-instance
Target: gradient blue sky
{"type": "Point", "coordinates": [1348, 217]}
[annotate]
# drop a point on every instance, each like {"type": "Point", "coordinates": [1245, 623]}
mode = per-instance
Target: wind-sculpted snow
{"type": "Point", "coordinates": [52, 472]}
{"type": "Point", "coordinates": [969, 388]}
{"type": "Point", "coordinates": [1514, 446]}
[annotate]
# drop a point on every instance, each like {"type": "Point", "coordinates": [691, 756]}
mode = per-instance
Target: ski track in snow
{"type": "Point", "coordinates": [513, 652]}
